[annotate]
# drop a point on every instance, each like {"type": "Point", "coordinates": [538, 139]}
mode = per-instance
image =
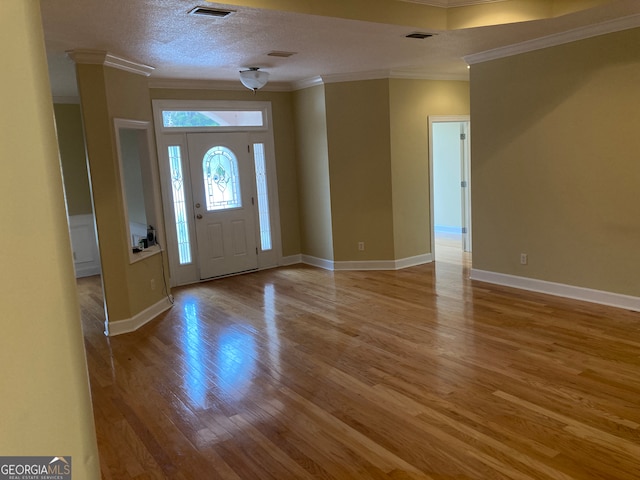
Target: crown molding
{"type": "Point", "coordinates": [185, 84]}
{"type": "Point", "coordinates": [408, 75]}
{"type": "Point", "coordinates": [101, 57]}
{"type": "Point", "coordinates": [391, 74]}
{"type": "Point", "coordinates": [611, 26]}
{"type": "Point", "coordinates": [355, 77]}
{"type": "Point", "coordinates": [307, 83]}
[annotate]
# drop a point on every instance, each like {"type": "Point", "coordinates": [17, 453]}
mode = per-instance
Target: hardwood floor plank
{"type": "Point", "coordinates": [421, 373]}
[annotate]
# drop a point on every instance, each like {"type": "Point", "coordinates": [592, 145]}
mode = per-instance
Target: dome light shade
{"type": "Point", "coordinates": [253, 78]}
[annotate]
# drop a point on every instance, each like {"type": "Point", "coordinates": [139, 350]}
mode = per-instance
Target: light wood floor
{"type": "Point", "coordinates": [449, 250]}
{"type": "Point", "coordinates": [301, 373]}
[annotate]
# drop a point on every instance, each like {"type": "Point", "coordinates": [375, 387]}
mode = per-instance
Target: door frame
{"type": "Point", "coordinates": [165, 137]}
{"type": "Point", "coordinates": [465, 158]}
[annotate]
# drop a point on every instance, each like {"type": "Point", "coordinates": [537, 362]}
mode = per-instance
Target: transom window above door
{"type": "Point", "coordinates": [212, 118]}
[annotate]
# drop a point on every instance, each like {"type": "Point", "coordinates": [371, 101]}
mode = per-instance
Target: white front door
{"type": "Point", "coordinates": [222, 189]}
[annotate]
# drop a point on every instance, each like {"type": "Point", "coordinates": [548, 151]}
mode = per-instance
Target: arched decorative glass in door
{"type": "Point", "coordinates": [221, 179]}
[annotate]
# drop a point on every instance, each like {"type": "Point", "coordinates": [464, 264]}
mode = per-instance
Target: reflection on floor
{"type": "Point", "coordinates": [91, 300]}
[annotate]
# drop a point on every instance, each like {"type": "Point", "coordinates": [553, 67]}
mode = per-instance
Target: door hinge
{"type": "Point", "coordinates": [253, 202]}
{"type": "Point", "coordinates": [256, 250]}
{"type": "Point", "coordinates": [463, 136]}
{"type": "Point", "coordinates": [248, 148]}
{"type": "Point", "coordinates": [464, 229]}
{"type": "Point", "coordinates": [463, 184]}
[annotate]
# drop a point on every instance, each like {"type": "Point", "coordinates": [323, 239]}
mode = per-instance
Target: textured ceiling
{"type": "Point", "coordinates": [161, 34]}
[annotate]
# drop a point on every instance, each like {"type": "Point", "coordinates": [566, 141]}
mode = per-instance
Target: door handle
{"type": "Point", "coordinates": [199, 216]}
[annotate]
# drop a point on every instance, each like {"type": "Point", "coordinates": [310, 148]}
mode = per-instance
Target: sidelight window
{"type": "Point", "coordinates": [179, 205]}
{"type": "Point", "coordinates": [263, 196]}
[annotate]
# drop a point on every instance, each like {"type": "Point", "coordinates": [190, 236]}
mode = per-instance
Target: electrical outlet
{"type": "Point", "coordinates": [361, 246]}
{"type": "Point", "coordinates": [524, 259]}
{"type": "Point", "coordinates": [153, 284]}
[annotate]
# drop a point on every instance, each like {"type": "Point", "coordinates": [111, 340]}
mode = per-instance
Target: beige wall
{"type": "Point", "coordinates": [284, 140]}
{"type": "Point", "coordinates": [512, 11]}
{"type": "Point", "coordinates": [107, 93]}
{"type": "Point", "coordinates": [45, 389]}
{"type": "Point", "coordinates": [555, 170]}
{"type": "Point", "coordinates": [563, 7]}
{"type": "Point", "coordinates": [352, 166]}
{"type": "Point", "coordinates": [363, 153]}
{"type": "Point", "coordinates": [412, 102]}
{"type": "Point", "coordinates": [313, 173]}
{"type": "Point", "coordinates": [360, 170]}
{"type": "Point", "coordinates": [73, 158]}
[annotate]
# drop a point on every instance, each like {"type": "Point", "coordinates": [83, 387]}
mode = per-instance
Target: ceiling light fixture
{"type": "Point", "coordinates": [253, 78]}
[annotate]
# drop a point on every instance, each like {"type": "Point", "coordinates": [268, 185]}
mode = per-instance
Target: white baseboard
{"type": "Point", "coordinates": [559, 289]}
{"type": "Point", "coordinates": [317, 262]}
{"type": "Point", "coordinates": [87, 270]}
{"type": "Point", "coordinates": [369, 264]}
{"type": "Point", "coordinates": [414, 261]}
{"type": "Point", "coordinates": [365, 265]}
{"type": "Point", "coordinates": [118, 327]}
{"type": "Point", "coordinates": [291, 260]}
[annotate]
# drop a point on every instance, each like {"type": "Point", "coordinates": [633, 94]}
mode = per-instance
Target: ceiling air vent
{"type": "Point", "coordinates": [420, 35]}
{"type": "Point", "coordinates": [210, 12]}
{"type": "Point", "coordinates": [281, 54]}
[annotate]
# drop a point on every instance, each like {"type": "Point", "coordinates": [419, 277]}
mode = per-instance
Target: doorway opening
{"type": "Point", "coordinates": [450, 188]}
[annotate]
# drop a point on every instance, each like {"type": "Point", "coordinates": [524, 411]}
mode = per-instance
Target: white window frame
{"type": "Point", "coordinates": [213, 105]}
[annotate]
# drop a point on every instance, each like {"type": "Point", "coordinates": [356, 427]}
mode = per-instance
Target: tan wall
{"type": "Point", "coordinates": [509, 11]}
{"type": "Point", "coordinates": [360, 169]}
{"type": "Point", "coordinates": [284, 140]}
{"type": "Point", "coordinates": [313, 173]}
{"type": "Point", "coordinates": [555, 172]}
{"type": "Point", "coordinates": [73, 158]}
{"type": "Point", "coordinates": [45, 389]}
{"type": "Point", "coordinates": [128, 97]}
{"type": "Point", "coordinates": [412, 102]}
{"type": "Point", "coordinates": [563, 7]}
{"type": "Point", "coordinates": [512, 11]}
{"type": "Point", "coordinates": [378, 176]}
{"type": "Point", "coordinates": [108, 93]}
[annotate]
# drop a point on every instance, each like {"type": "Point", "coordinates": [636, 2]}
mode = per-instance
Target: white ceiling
{"type": "Point", "coordinates": [159, 33]}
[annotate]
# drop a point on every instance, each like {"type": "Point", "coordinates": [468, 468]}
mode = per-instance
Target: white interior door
{"type": "Point", "coordinates": [465, 184]}
{"type": "Point", "coordinates": [450, 164]}
{"type": "Point", "coordinates": [222, 190]}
